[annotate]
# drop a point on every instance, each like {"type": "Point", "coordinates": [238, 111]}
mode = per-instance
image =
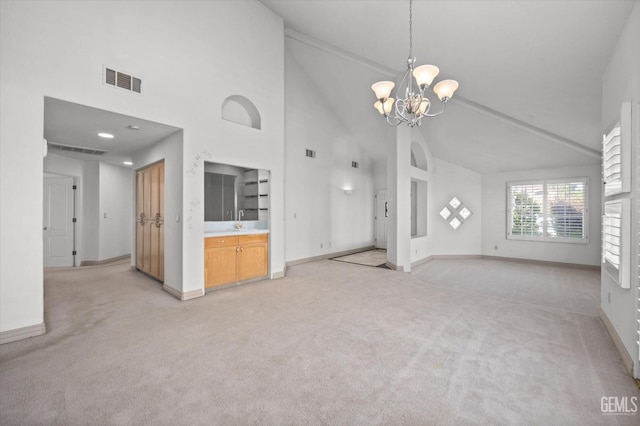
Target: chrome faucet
{"type": "Point", "coordinates": [240, 214]}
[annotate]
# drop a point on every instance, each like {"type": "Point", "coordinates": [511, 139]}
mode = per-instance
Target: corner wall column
{"type": "Point", "coordinates": [399, 195]}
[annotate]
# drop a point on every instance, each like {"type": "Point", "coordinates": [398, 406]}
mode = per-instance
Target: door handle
{"type": "Point", "coordinates": [386, 209]}
{"type": "Point", "coordinates": [158, 220]}
{"type": "Point", "coordinates": [142, 220]}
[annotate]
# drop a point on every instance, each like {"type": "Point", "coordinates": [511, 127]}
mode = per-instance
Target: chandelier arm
{"type": "Point", "coordinates": [393, 124]}
{"type": "Point", "coordinates": [444, 105]}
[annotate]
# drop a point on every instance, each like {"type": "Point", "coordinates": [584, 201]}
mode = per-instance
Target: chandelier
{"type": "Point", "coordinates": [415, 103]}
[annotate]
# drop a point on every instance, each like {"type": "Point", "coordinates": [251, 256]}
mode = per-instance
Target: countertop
{"type": "Point", "coordinates": [232, 232]}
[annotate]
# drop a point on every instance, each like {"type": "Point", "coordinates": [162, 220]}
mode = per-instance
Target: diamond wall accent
{"type": "Point", "coordinates": [459, 212]}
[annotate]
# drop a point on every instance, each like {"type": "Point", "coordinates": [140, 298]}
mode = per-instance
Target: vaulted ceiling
{"type": "Point", "coordinates": [530, 71]}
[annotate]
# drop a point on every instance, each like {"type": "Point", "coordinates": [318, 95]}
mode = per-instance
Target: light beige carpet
{"type": "Point", "coordinates": [377, 257]}
{"type": "Point", "coordinates": [332, 343]}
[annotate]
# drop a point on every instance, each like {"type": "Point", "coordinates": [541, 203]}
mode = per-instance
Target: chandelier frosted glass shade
{"type": "Point", "coordinates": [445, 89]}
{"type": "Point", "coordinates": [425, 74]}
{"type": "Point", "coordinates": [383, 89]}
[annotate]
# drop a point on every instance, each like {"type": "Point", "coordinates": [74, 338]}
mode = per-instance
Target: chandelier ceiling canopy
{"type": "Point", "coordinates": [415, 104]}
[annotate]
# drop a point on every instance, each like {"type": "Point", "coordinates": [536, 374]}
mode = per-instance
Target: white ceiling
{"type": "Point", "coordinates": [530, 71]}
{"type": "Point", "coordinates": [67, 123]}
{"type": "Point", "coordinates": [530, 74]}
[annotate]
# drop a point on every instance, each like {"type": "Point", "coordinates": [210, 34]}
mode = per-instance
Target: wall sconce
{"type": "Point", "coordinates": [348, 192]}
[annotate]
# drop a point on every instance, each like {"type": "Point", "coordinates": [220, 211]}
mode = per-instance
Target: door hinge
{"type": "Point", "coordinates": [74, 187]}
{"type": "Point", "coordinates": [74, 220]}
{"type": "Point", "coordinates": [73, 253]}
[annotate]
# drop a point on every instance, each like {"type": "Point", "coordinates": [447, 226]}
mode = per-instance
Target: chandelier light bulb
{"type": "Point", "coordinates": [445, 89]}
{"type": "Point", "coordinates": [383, 89]}
{"type": "Point", "coordinates": [425, 74]}
{"type": "Point", "coordinates": [388, 104]}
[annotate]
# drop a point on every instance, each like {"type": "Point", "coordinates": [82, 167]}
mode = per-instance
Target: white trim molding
{"type": "Point", "coordinates": [626, 359]}
{"type": "Point", "coordinates": [183, 296]}
{"type": "Point", "coordinates": [22, 333]}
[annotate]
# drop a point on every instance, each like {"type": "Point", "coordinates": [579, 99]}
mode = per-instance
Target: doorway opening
{"type": "Point", "coordinates": [102, 171]}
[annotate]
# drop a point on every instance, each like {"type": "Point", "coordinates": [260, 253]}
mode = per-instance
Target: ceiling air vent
{"type": "Point", "coordinates": [80, 149]}
{"type": "Point", "coordinates": [311, 153]}
{"type": "Point", "coordinates": [122, 80]}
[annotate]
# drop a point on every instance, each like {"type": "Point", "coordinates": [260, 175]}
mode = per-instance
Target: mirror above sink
{"type": "Point", "coordinates": [236, 195]}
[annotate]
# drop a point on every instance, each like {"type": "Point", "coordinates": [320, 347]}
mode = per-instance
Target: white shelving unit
{"type": "Point", "coordinates": [256, 195]}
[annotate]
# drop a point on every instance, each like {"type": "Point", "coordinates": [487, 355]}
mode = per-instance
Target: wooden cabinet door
{"type": "Point", "coordinates": [221, 266]}
{"type": "Point", "coordinates": [253, 257]}
{"type": "Point", "coordinates": [150, 220]}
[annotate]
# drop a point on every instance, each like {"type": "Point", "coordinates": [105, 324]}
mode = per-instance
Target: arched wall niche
{"type": "Point", "coordinates": [241, 110]}
{"type": "Point", "coordinates": [418, 156]}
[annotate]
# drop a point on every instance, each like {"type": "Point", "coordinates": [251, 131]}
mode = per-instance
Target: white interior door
{"type": "Point", "coordinates": [58, 221]}
{"type": "Point", "coordinates": [382, 213]}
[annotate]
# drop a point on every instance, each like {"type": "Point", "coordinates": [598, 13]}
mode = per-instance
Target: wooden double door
{"type": "Point", "coordinates": [150, 220]}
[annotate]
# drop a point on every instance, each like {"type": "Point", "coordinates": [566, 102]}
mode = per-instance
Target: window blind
{"type": "Point", "coordinates": [553, 210]}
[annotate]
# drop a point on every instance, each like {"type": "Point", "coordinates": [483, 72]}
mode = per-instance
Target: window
{"type": "Point", "coordinates": [548, 210]}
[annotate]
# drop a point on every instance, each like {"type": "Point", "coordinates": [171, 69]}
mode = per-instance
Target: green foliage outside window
{"type": "Point", "coordinates": [525, 216]}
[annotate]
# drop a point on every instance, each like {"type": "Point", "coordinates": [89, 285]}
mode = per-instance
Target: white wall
{"type": "Point", "coordinates": [446, 180]}
{"type": "Point", "coordinates": [494, 223]}
{"type": "Point", "coordinates": [170, 150]}
{"type": "Point", "coordinates": [116, 204]}
{"type": "Point", "coordinates": [621, 82]}
{"type": "Point", "coordinates": [186, 77]}
{"type": "Point", "coordinates": [318, 212]}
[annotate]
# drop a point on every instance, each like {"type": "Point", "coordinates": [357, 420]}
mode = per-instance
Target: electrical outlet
{"type": "Point", "coordinates": [321, 245]}
{"type": "Point", "coordinates": [495, 247]}
{"type": "Point", "coordinates": [105, 215]}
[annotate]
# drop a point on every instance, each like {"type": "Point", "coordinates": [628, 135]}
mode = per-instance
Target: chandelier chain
{"type": "Point", "coordinates": [410, 29]}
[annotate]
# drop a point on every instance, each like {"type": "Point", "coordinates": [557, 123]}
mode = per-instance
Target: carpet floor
{"type": "Point", "coordinates": [456, 342]}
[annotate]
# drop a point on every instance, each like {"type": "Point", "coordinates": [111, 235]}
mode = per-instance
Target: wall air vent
{"type": "Point", "coordinates": [80, 149]}
{"type": "Point", "coordinates": [355, 164]}
{"type": "Point", "coordinates": [311, 153]}
{"type": "Point", "coordinates": [122, 80]}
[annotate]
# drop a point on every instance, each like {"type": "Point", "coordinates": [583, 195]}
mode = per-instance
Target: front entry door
{"type": "Point", "coordinates": [150, 220]}
{"type": "Point", "coordinates": [382, 214]}
{"type": "Point", "coordinates": [57, 224]}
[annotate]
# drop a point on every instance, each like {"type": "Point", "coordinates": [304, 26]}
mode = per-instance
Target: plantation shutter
{"type": "Point", "coordinates": [565, 209]}
{"type": "Point", "coordinates": [525, 209]}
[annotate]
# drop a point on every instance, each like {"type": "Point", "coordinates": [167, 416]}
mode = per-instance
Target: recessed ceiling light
{"type": "Point", "coordinates": [105, 135]}
{"type": "Point", "coordinates": [127, 163]}
{"type": "Point", "coordinates": [133, 127]}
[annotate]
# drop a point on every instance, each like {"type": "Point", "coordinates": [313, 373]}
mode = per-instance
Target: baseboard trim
{"type": "Point", "coordinates": [279, 274]}
{"type": "Point", "coordinates": [106, 261]}
{"type": "Point", "coordinates": [544, 262]}
{"type": "Point", "coordinates": [16, 334]}
{"type": "Point", "coordinates": [421, 261]}
{"type": "Point", "coordinates": [183, 296]}
{"type": "Point", "coordinates": [328, 256]}
{"type": "Point", "coordinates": [627, 361]}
